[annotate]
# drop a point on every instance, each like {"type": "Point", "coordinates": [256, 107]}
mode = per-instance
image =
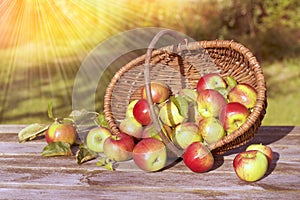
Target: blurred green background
{"type": "Point", "coordinates": [43, 43]}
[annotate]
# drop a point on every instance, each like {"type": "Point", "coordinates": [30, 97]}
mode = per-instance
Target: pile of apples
{"type": "Point", "coordinates": [192, 119]}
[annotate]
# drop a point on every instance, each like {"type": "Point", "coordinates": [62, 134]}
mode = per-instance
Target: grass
{"type": "Point", "coordinates": [283, 90]}
{"type": "Point", "coordinates": [283, 110]}
{"type": "Point", "coordinates": [27, 98]}
{"type": "Point", "coordinates": [24, 99]}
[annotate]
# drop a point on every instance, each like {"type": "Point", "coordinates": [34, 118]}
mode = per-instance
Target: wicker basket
{"type": "Point", "coordinates": [181, 66]}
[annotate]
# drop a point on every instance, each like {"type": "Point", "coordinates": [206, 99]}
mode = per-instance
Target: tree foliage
{"type": "Point", "coordinates": [269, 27]}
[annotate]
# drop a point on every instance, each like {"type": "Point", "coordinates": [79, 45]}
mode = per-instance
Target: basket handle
{"type": "Point", "coordinates": [165, 139]}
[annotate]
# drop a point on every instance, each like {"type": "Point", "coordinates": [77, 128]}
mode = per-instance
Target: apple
{"type": "Point", "coordinates": [141, 112]}
{"type": "Point", "coordinates": [131, 126]}
{"type": "Point", "coordinates": [119, 147]}
{"type": "Point", "coordinates": [264, 149]}
{"type": "Point", "coordinates": [198, 158]}
{"type": "Point", "coordinates": [210, 81]}
{"type": "Point", "coordinates": [150, 132]}
{"type": "Point", "coordinates": [150, 154]}
{"type": "Point", "coordinates": [210, 102]}
{"type": "Point", "coordinates": [160, 92]}
{"type": "Point", "coordinates": [170, 115]}
{"type": "Point", "coordinates": [233, 115]}
{"type": "Point", "coordinates": [244, 94]}
{"type": "Point", "coordinates": [59, 132]}
{"type": "Point", "coordinates": [129, 110]}
{"type": "Point", "coordinates": [96, 137]}
{"type": "Point", "coordinates": [211, 130]}
{"type": "Point", "coordinates": [186, 133]}
{"type": "Point", "coordinates": [250, 165]}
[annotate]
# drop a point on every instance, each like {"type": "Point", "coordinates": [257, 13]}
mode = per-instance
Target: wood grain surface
{"type": "Point", "coordinates": [25, 174]}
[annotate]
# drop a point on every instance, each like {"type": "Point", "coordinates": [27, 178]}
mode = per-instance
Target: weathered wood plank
{"type": "Point", "coordinates": [168, 177]}
{"type": "Point", "coordinates": [194, 185]}
{"type": "Point", "coordinates": [25, 174]}
{"type": "Point", "coordinates": [140, 193]}
{"type": "Point", "coordinates": [11, 128]}
{"type": "Point", "coordinates": [67, 164]}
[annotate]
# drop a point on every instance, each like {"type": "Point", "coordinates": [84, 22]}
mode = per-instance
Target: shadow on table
{"type": "Point", "coordinates": [266, 135]}
{"type": "Point", "coordinates": [273, 164]}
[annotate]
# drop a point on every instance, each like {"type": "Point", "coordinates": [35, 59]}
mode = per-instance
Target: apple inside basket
{"type": "Point", "coordinates": [224, 63]}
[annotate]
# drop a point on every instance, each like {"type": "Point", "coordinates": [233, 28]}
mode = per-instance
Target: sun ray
{"type": "Point", "coordinates": [43, 42]}
{"type": "Point", "coordinates": [13, 38]}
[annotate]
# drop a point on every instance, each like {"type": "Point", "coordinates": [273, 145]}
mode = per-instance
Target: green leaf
{"type": "Point", "coordinates": [32, 131]}
{"type": "Point", "coordinates": [189, 94]}
{"type": "Point", "coordinates": [222, 91]}
{"type": "Point", "coordinates": [231, 82]}
{"type": "Point", "coordinates": [107, 164]}
{"type": "Point", "coordinates": [84, 154]}
{"type": "Point", "coordinates": [101, 162]}
{"type": "Point", "coordinates": [102, 121]}
{"type": "Point", "coordinates": [57, 149]}
{"type": "Point", "coordinates": [50, 110]}
{"type": "Point", "coordinates": [182, 105]}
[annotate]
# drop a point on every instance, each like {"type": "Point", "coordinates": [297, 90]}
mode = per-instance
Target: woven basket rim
{"type": "Point", "coordinates": [258, 111]}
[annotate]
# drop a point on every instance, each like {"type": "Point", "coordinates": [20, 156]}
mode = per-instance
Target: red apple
{"type": "Point", "coordinates": [119, 147]}
{"type": "Point", "coordinates": [96, 137]}
{"type": "Point", "coordinates": [250, 165]}
{"type": "Point", "coordinates": [58, 132]}
{"type": "Point", "coordinates": [186, 133]}
{"type": "Point", "coordinates": [210, 81]}
{"type": "Point", "coordinates": [233, 115]}
{"type": "Point", "coordinates": [141, 112]}
{"type": "Point", "coordinates": [198, 158]}
{"type": "Point", "coordinates": [210, 102]}
{"type": "Point", "coordinates": [150, 132]}
{"type": "Point", "coordinates": [129, 111]}
{"type": "Point", "coordinates": [244, 94]}
{"type": "Point", "coordinates": [264, 149]}
{"type": "Point", "coordinates": [160, 92]}
{"type": "Point", "coordinates": [211, 130]}
{"type": "Point", "coordinates": [150, 154]}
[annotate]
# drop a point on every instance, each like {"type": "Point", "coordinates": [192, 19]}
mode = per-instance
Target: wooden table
{"type": "Point", "coordinates": [25, 174]}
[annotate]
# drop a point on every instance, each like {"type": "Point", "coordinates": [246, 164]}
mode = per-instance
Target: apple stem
{"type": "Point", "coordinates": [115, 137]}
{"type": "Point", "coordinates": [63, 120]}
{"type": "Point", "coordinates": [238, 123]}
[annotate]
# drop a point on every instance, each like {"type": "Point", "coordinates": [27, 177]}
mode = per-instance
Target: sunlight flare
{"type": "Point", "coordinates": [42, 45]}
